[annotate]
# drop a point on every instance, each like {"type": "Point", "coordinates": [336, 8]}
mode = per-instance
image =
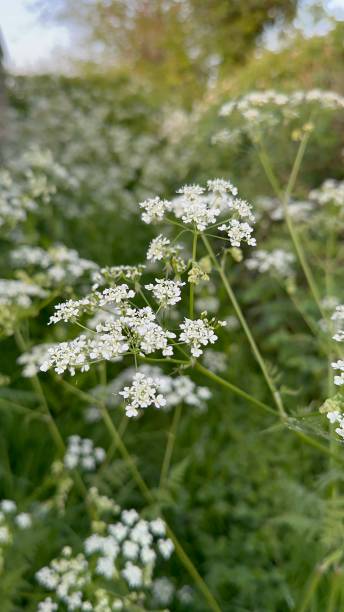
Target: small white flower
{"type": "Point", "coordinates": [158, 248]}
{"type": "Point", "coordinates": [158, 527]}
{"type": "Point", "coordinates": [197, 333]}
{"type": "Point", "coordinates": [130, 550]}
{"type": "Point", "coordinates": [333, 416]}
{"type": "Point", "coordinates": [154, 209]}
{"type": "Point", "coordinates": [23, 520]}
{"type": "Point", "coordinates": [141, 394]}
{"type": "Point", "coordinates": [105, 567]}
{"type": "Point", "coordinates": [166, 292]}
{"type": "Point", "coordinates": [129, 517]}
{"type": "Point", "coordinates": [8, 506]}
{"type": "Point", "coordinates": [132, 574]}
{"type": "Point", "coordinates": [166, 548]}
{"type": "Point", "coordinates": [238, 232]}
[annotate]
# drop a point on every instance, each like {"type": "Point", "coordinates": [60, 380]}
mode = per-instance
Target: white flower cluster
{"type": "Point", "coordinates": [112, 274]}
{"type": "Point", "coordinates": [238, 232]}
{"type": "Point", "coordinates": [146, 335]}
{"type": "Point", "coordinates": [19, 293]}
{"type": "Point", "coordinates": [125, 556]}
{"type": "Point", "coordinates": [166, 292]}
{"type": "Point", "coordinates": [252, 102]}
{"type": "Point", "coordinates": [161, 248]}
{"type": "Point", "coordinates": [15, 202]}
{"type": "Point", "coordinates": [154, 209]}
{"type": "Point", "coordinates": [299, 210]}
{"type": "Point", "coordinates": [335, 416]}
{"type": "Point", "coordinates": [135, 330]}
{"type": "Point", "coordinates": [338, 318]}
{"type": "Point", "coordinates": [81, 453]}
{"type": "Point", "coordinates": [330, 192]}
{"type": "Point", "coordinates": [338, 366]}
{"type": "Point", "coordinates": [10, 521]}
{"type": "Point", "coordinates": [176, 390]}
{"type": "Point", "coordinates": [201, 208]}
{"type": "Point", "coordinates": [215, 361]}
{"type": "Point", "coordinates": [197, 333]}
{"type": "Point", "coordinates": [32, 360]}
{"type": "Point", "coordinates": [277, 261]}
{"type": "Point", "coordinates": [66, 311]}
{"type": "Point", "coordinates": [58, 263]}
{"type": "Point", "coordinates": [142, 393]}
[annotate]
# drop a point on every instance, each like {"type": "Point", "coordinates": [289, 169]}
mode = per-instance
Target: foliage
{"type": "Point", "coordinates": [176, 47]}
{"type": "Point", "coordinates": [242, 466]}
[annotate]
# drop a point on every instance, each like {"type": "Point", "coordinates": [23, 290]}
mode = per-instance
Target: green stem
{"type": "Point", "coordinates": [171, 438]}
{"type": "Point", "coordinates": [336, 581]}
{"type": "Point", "coordinates": [234, 388]}
{"type": "Point", "coordinates": [284, 199]}
{"type": "Point", "coordinates": [146, 493]}
{"type": "Point", "coordinates": [310, 590]}
{"type": "Point", "coordinates": [54, 431]}
{"type": "Point", "coordinates": [252, 342]}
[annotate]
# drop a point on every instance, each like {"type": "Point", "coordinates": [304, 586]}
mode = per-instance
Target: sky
{"type": "Point", "coordinates": [31, 45]}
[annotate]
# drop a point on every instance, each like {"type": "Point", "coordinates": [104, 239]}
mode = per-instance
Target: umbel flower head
{"type": "Point", "coordinates": [201, 207]}
{"type": "Point", "coordinates": [198, 333]}
{"type": "Point", "coordinates": [142, 393]}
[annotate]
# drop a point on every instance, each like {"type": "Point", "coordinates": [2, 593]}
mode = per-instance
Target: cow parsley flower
{"type": "Point", "coordinates": [277, 261]}
{"type": "Point", "coordinates": [197, 333]}
{"type": "Point", "coordinates": [142, 393]}
{"type": "Point", "coordinates": [82, 453]}
{"type": "Point", "coordinates": [338, 318]}
{"type": "Point", "coordinates": [166, 292]}
{"type": "Point", "coordinates": [154, 209]}
{"type": "Point", "coordinates": [338, 365]}
{"type": "Point", "coordinates": [116, 295]}
{"type": "Point", "coordinates": [70, 310]}
{"type": "Point", "coordinates": [238, 232]}
{"type": "Point", "coordinates": [160, 248]}
{"type": "Point", "coordinates": [330, 192]}
{"type": "Point", "coordinates": [68, 356]}
{"type": "Point", "coordinates": [32, 359]}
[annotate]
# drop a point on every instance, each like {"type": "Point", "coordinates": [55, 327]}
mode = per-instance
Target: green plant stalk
{"type": "Point", "coordinates": [310, 591]}
{"type": "Point", "coordinates": [336, 580]}
{"type": "Point", "coordinates": [275, 394]}
{"type": "Point", "coordinates": [49, 419]}
{"type": "Point", "coordinates": [192, 286]}
{"type": "Point", "coordinates": [37, 387]}
{"type": "Point", "coordinates": [284, 199]}
{"type": "Point", "coordinates": [234, 388]}
{"type": "Point", "coordinates": [147, 494]}
{"type": "Point", "coordinates": [171, 438]}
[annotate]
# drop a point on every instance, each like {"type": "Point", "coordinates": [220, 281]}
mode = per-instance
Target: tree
{"type": "Point", "coordinates": [169, 43]}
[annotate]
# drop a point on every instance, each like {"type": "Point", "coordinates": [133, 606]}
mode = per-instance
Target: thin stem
{"type": "Point", "coordinates": [37, 387]}
{"type": "Point", "coordinates": [244, 324]}
{"type": "Point", "coordinates": [192, 285]}
{"type": "Point", "coordinates": [171, 438]}
{"type": "Point", "coordinates": [236, 390]}
{"type": "Point", "coordinates": [336, 580]}
{"type": "Point", "coordinates": [54, 431]}
{"type": "Point", "coordinates": [292, 231]}
{"type": "Point", "coordinates": [310, 590]}
{"type": "Point", "coordinates": [147, 494]}
{"type": "Point", "coordinates": [284, 199]}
